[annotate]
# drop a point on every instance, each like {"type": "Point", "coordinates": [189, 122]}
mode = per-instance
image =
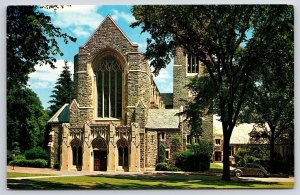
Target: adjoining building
{"type": "Point", "coordinates": [118, 117]}
{"type": "Point", "coordinates": [240, 139]}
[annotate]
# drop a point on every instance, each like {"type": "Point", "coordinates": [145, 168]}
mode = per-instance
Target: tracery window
{"type": "Point", "coordinates": [109, 87]}
{"type": "Point", "coordinates": [76, 152]}
{"type": "Point", "coordinates": [192, 64]}
{"type": "Point", "coordinates": [122, 152]}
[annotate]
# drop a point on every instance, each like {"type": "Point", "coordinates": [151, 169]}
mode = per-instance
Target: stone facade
{"type": "Point", "coordinates": [113, 120]}
{"type": "Point", "coordinates": [181, 93]}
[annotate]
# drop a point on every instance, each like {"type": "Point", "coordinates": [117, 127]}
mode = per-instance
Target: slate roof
{"type": "Point", "coordinates": [240, 133]}
{"type": "Point", "coordinates": [163, 119]}
{"type": "Point", "coordinates": [168, 99]}
{"type": "Point", "coordinates": [61, 116]}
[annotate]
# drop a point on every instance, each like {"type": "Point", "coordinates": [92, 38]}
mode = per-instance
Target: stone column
{"type": "Point", "coordinates": [134, 158]}
{"type": "Point", "coordinates": [111, 156]}
{"type": "Point", "coordinates": [86, 156]}
{"type": "Point", "coordinates": [65, 153]}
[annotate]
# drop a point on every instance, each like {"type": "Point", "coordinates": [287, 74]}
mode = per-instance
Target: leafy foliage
{"type": "Point", "coordinates": [63, 90]}
{"type": "Point", "coordinates": [166, 167]}
{"type": "Point", "coordinates": [36, 153]}
{"type": "Point", "coordinates": [191, 161]}
{"type": "Point", "coordinates": [39, 163]}
{"type": "Point", "coordinates": [25, 119]}
{"type": "Point", "coordinates": [271, 105]}
{"type": "Point", "coordinates": [161, 153]}
{"type": "Point", "coordinates": [204, 147]}
{"type": "Point", "coordinates": [217, 35]}
{"type": "Point", "coordinates": [31, 40]}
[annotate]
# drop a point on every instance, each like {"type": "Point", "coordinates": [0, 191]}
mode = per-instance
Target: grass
{"type": "Point", "coordinates": [156, 181]}
{"type": "Point", "coordinates": [16, 174]}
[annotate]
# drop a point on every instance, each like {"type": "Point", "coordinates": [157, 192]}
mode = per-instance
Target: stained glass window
{"type": "Point", "coordinates": [109, 87]}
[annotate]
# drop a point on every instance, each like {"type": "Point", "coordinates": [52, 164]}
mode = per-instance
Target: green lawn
{"type": "Point", "coordinates": [16, 174]}
{"type": "Point", "coordinates": [156, 181]}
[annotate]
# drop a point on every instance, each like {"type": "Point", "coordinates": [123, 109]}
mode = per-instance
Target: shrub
{"type": "Point", "coordinates": [36, 153]}
{"type": "Point", "coordinates": [39, 163]}
{"type": "Point", "coordinates": [203, 147]}
{"type": "Point", "coordinates": [166, 167]}
{"type": "Point", "coordinates": [19, 157]}
{"type": "Point", "coordinates": [161, 154]}
{"type": "Point", "coordinates": [190, 161]}
{"type": "Point", "coordinates": [56, 165]}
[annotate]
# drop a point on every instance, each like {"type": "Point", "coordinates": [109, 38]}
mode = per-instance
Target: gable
{"type": "Point", "coordinates": [108, 35]}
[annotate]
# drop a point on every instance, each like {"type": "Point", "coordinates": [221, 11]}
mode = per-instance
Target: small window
{"type": "Point", "coordinates": [167, 154]}
{"type": "Point", "coordinates": [188, 139]}
{"type": "Point", "coordinates": [162, 134]}
{"type": "Point", "coordinates": [197, 140]}
{"type": "Point", "coordinates": [192, 64]}
{"type": "Point", "coordinates": [218, 142]}
{"type": "Point", "coordinates": [152, 138]}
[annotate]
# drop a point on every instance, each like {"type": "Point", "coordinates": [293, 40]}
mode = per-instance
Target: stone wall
{"type": "Point", "coordinates": [151, 148]}
{"type": "Point", "coordinates": [181, 78]}
{"type": "Point", "coordinates": [169, 136]}
{"type": "Point", "coordinates": [55, 141]}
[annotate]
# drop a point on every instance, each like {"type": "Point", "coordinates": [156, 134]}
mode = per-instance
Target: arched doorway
{"type": "Point", "coordinates": [122, 145]}
{"type": "Point", "coordinates": [76, 146]}
{"type": "Point", "coordinates": [218, 156]}
{"type": "Point", "coordinates": [100, 154]}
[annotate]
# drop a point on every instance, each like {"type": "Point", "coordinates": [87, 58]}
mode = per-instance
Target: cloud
{"type": "Point", "coordinates": [120, 14]}
{"type": "Point", "coordinates": [82, 20]}
{"type": "Point", "coordinates": [45, 77]}
{"type": "Point", "coordinates": [142, 46]}
{"type": "Point", "coordinates": [163, 77]}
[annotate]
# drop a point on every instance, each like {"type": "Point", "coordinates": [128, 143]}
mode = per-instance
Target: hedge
{"type": "Point", "coordinates": [36, 153]}
{"type": "Point", "coordinates": [166, 167]}
{"type": "Point", "coordinates": [190, 161]}
{"type": "Point", "coordinates": [38, 163]}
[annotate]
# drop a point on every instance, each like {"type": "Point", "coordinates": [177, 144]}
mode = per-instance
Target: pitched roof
{"type": "Point", "coordinates": [108, 18]}
{"type": "Point", "coordinates": [163, 119]}
{"type": "Point", "coordinates": [61, 116]}
{"type": "Point", "coordinates": [168, 99]}
{"type": "Point", "coordinates": [240, 133]}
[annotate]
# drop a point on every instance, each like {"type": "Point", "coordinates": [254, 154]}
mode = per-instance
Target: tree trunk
{"type": "Point", "coordinates": [272, 148]}
{"type": "Point", "coordinates": [226, 168]}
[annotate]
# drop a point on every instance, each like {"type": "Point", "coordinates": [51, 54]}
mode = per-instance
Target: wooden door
{"type": "Point", "coordinates": [96, 160]}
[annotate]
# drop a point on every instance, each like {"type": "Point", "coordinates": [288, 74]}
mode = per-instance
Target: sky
{"type": "Point", "coordinates": [81, 22]}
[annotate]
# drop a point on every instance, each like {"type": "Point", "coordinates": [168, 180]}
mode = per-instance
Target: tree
{"type": "Point", "coordinates": [272, 101]}
{"type": "Point", "coordinates": [217, 35]}
{"type": "Point", "coordinates": [31, 40]}
{"type": "Point", "coordinates": [25, 128]}
{"type": "Point", "coordinates": [63, 90]}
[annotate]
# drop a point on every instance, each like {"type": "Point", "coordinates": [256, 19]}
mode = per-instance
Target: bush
{"type": "Point", "coordinates": [36, 153]}
{"type": "Point", "coordinates": [191, 161]}
{"type": "Point", "coordinates": [56, 165]}
{"type": "Point", "coordinates": [203, 147]}
{"type": "Point", "coordinates": [161, 154]}
{"type": "Point", "coordinates": [166, 167]}
{"type": "Point", "coordinates": [19, 157]}
{"type": "Point", "coordinates": [38, 163]}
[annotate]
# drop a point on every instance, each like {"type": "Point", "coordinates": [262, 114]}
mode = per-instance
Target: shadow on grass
{"type": "Point", "coordinates": [157, 181]}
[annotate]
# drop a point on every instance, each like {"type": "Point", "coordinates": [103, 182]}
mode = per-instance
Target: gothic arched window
{"type": "Point", "coordinates": [109, 87]}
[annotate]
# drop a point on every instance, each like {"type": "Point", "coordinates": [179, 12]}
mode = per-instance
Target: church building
{"type": "Point", "coordinates": [119, 118]}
